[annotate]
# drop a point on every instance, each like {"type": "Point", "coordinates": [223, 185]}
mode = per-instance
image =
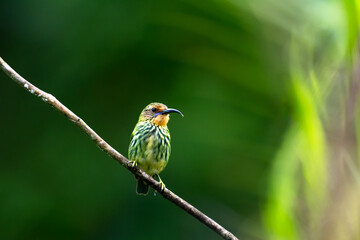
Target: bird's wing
{"type": "Point", "coordinates": [134, 131]}
{"type": "Point", "coordinates": [132, 136]}
{"type": "Point", "coordinates": [140, 126]}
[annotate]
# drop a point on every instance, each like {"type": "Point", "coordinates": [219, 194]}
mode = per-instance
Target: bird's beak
{"type": "Point", "coordinates": [170, 110]}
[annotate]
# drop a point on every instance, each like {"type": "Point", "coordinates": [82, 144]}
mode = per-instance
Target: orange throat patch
{"type": "Point", "coordinates": [161, 120]}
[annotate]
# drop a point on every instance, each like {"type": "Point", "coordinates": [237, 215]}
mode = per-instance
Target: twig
{"type": "Point", "coordinates": [166, 193]}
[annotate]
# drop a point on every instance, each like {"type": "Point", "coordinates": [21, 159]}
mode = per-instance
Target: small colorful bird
{"type": "Point", "coordinates": [150, 143]}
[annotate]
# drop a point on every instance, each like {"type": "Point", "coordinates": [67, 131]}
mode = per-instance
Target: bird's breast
{"type": "Point", "coordinates": [152, 148]}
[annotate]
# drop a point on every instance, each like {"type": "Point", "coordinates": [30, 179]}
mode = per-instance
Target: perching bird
{"type": "Point", "coordinates": [150, 143]}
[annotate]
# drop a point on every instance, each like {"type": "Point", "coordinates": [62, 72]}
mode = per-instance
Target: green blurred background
{"type": "Point", "coordinates": [268, 145]}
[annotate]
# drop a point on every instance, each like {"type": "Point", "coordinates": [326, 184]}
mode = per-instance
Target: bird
{"type": "Point", "coordinates": [150, 146]}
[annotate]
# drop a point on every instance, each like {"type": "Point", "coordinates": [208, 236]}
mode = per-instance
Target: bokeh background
{"type": "Point", "coordinates": [268, 146]}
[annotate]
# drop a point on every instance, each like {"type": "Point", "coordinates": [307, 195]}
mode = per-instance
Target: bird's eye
{"type": "Point", "coordinates": [153, 109]}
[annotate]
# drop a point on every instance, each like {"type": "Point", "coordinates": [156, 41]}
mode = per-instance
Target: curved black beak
{"type": "Point", "coordinates": [171, 110]}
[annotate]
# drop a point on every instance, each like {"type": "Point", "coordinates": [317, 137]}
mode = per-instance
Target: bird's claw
{"type": "Point", "coordinates": [134, 163]}
{"type": "Point", "coordinates": [162, 184]}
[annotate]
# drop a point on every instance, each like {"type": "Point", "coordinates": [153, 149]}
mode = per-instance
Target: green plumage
{"type": "Point", "coordinates": [150, 142]}
{"type": "Point", "coordinates": [150, 149]}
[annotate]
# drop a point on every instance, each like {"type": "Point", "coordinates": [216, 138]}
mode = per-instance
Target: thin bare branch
{"type": "Point", "coordinates": [166, 193]}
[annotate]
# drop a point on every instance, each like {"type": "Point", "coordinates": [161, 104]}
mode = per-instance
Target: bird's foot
{"type": "Point", "coordinates": [134, 163]}
{"type": "Point", "coordinates": [161, 183]}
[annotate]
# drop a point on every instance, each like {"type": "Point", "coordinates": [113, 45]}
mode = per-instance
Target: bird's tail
{"type": "Point", "coordinates": [141, 187]}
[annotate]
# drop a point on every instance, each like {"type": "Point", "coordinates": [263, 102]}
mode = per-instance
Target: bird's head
{"type": "Point", "coordinates": [158, 113]}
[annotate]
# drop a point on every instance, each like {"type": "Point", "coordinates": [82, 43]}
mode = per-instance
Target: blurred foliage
{"type": "Point", "coordinates": [268, 146]}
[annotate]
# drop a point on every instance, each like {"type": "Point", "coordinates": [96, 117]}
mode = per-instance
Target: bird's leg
{"type": "Point", "coordinates": [161, 182]}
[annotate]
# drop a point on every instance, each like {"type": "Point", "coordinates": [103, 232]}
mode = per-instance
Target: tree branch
{"type": "Point", "coordinates": [166, 193]}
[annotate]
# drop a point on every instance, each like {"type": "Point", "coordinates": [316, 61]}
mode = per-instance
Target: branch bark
{"type": "Point", "coordinates": [103, 145]}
